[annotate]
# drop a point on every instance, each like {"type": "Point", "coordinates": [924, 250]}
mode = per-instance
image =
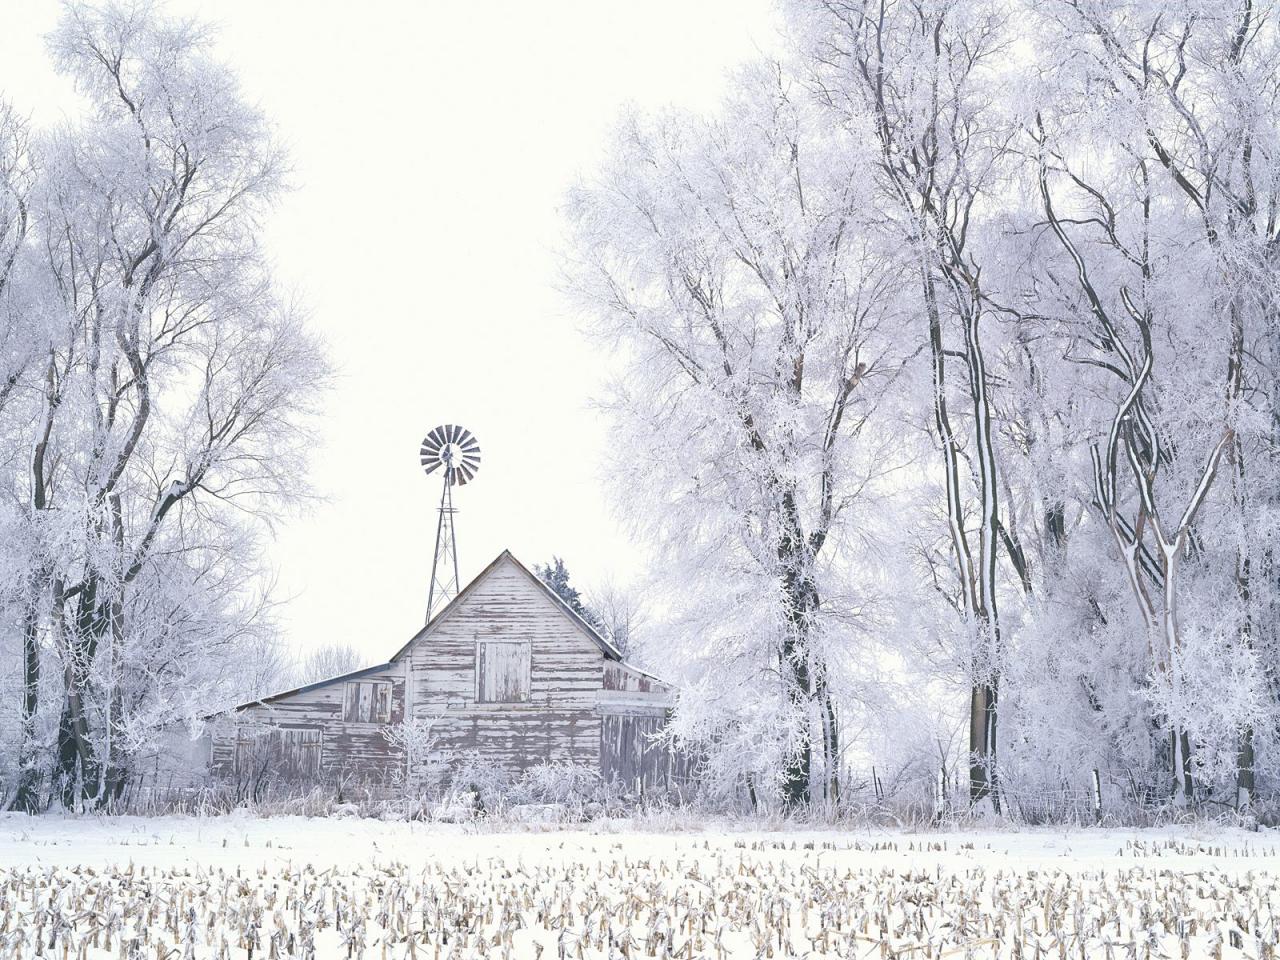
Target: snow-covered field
{"type": "Point", "coordinates": [242, 887]}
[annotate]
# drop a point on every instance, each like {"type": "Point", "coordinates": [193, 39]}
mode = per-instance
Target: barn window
{"type": "Point", "coordinates": [502, 671]}
{"type": "Point", "coordinates": [367, 701]}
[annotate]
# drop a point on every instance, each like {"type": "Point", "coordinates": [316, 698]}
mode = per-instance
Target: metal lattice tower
{"type": "Point", "coordinates": [457, 452]}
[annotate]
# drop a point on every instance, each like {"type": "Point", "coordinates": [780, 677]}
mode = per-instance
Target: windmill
{"type": "Point", "coordinates": [457, 452]}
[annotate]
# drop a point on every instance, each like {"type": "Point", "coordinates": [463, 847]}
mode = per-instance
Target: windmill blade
{"type": "Point", "coordinates": [453, 447]}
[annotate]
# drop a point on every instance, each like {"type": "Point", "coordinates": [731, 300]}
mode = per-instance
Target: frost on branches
{"type": "Point", "coordinates": [154, 391]}
{"type": "Point", "coordinates": [731, 260]}
{"type": "Point", "coordinates": [947, 359]}
{"type": "Point", "coordinates": [947, 387]}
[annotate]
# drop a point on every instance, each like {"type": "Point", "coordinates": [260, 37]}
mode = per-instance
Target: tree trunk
{"type": "Point", "coordinates": [27, 797]}
{"type": "Point", "coordinates": [1244, 587]}
{"type": "Point", "coordinates": [1183, 780]}
{"type": "Point", "coordinates": [955, 521]}
{"type": "Point", "coordinates": [1245, 788]}
{"type": "Point", "coordinates": [807, 674]}
{"type": "Point", "coordinates": [978, 585]}
{"type": "Point", "coordinates": [983, 705]}
{"type": "Point", "coordinates": [795, 787]}
{"type": "Point", "coordinates": [76, 767]}
{"type": "Point", "coordinates": [830, 746]}
{"type": "Point", "coordinates": [982, 730]}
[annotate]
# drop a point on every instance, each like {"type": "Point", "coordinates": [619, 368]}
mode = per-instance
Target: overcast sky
{"type": "Point", "coordinates": [432, 143]}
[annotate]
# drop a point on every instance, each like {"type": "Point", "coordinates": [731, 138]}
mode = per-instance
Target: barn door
{"type": "Point", "coordinates": [631, 754]}
{"type": "Point", "coordinates": [285, 754]}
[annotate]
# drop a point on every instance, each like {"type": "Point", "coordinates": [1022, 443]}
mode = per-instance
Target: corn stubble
{"type": "Point", "coordinates": [750, 899]}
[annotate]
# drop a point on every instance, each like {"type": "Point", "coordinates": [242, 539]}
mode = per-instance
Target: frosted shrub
{"type": "Point", "coordinates": [560, 781]}
{"type": "Point", "coordinates": [480, 782]}
{"type": "Point", "coordinates": [576, 790]}
{"type": "Point", "coordinates": [426, 765]}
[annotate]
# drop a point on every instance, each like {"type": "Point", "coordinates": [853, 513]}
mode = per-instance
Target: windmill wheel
{"type": "Point", "coordinates": [455, 450]}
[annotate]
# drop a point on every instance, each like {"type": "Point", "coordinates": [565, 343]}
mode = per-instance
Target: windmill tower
{"type": "Point", "coordinates": [455, 451]}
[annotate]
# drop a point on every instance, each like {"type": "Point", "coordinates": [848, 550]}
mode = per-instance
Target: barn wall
{"type": "Point", "coordinates": [624, 678]}
{"type": "Point", "coordinates": [541, 690]}
{"type": "Point", "coordinates": [634, 707]}
{"type": "Point", "coordinates": [557, 721]}
{"type": "Point", "coordinates": [632, 754]}
{"type": "Point", "coordinates": [314, 743]}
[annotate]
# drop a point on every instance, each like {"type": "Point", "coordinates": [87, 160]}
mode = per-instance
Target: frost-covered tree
{"type": "Point", "coordinates": [1054, 228]}
{"type": "Point", "coordinates": [922, 81]}
{"type": "Point", "coordinates": [20, 571]}
{"type": "Point", "coordinates": [156, 420]}
{"type": "Point", "coordinates": [730, 259]}
{"type": "Point", "coordinates": [1156, 150]}
{"type": "Point", "coordinates": [331, 660]}
{"type": "Point", "coordinates": [620, 615]}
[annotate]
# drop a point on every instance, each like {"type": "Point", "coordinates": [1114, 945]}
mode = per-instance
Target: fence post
{"type": "Point", "coordinates": [1097, 796]}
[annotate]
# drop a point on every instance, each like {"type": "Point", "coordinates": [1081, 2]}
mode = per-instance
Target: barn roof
{"type": "Point", "coordinates": [315, 685]}
{"type": "Point", "coordinates": [608, 649]}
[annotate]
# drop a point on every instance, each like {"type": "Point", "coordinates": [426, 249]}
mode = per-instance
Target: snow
{"type": "Point", "coordinates": [250, 842]}
{"type": "Point", "coordinates": [400, 889]}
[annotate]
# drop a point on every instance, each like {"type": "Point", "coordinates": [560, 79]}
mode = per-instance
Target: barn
{"type": "Point", "coordinates": [505, 673]}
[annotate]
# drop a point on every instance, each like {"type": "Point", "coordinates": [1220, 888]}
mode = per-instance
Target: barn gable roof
{"type": "Point", "coordinates": [609, 650]}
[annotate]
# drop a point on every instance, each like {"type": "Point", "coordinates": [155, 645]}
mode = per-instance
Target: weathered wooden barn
{"type": "Point", "coordinates": [506, 673]}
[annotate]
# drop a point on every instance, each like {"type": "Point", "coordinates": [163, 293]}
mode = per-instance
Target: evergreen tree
{"type": "Point", "coordinates": [556, 576]}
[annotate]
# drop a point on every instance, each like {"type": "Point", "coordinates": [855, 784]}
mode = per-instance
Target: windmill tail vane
{"type": "Point", "coordinates": [456, 453]}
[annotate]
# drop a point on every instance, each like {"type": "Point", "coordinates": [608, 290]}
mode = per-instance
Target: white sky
{"type": "Point", "coordinates": [432, 143]}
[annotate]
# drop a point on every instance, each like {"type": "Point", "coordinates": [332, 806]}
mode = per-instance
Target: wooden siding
{"type": "Point", "coordinates": [634, 707]}
{"type": "Point", "coordinates": [558, 720]}
{"type": "Point", "coordinates": [288, 755]}
{"type": "Point", "coordinates": [631, 754]}
{"type": "Point", "coordinates": [625, 678]}
{"type": "Point", "coordinates": [348, 749]}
